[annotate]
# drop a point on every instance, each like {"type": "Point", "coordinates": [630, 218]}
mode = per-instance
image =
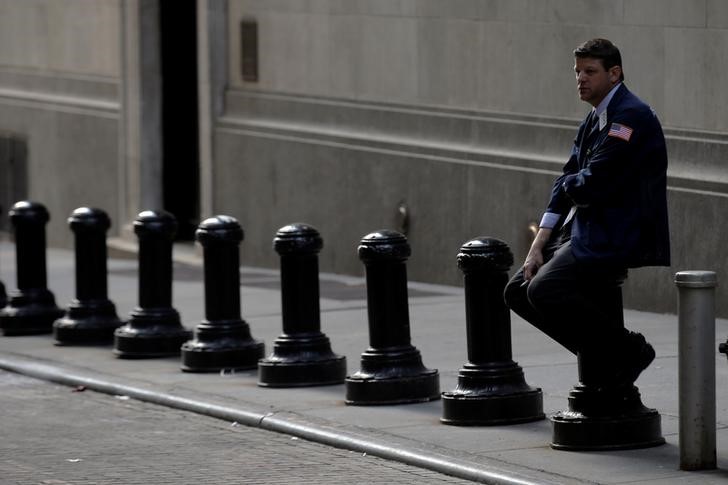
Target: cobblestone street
{"type": "Point", "coordinates": [54, 435]}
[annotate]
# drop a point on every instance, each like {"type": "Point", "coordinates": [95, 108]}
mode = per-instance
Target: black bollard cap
{"type": "Point", "coordinates": [89, 219]}
{"type": "Point", "coordinates": [484, 254]}
{"type": "Point", "coordinates": [27, 212]}
{"type": "Point", "coordinates": [384, 245]}
{"type": "Point", "coordinates": [155, 223]}
{"type": "Point", "coordinates": [297, 238]}
{"type": "Point", "coordinates": [219, 229]}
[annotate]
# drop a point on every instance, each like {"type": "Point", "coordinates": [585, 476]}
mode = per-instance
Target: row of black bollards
{"type": "Point", "coordinates": [91, 317]}
{"type": "Point", "coordinates": [391, 368]}
{"type": "Point", "coordinates": [31, 308]}
{"type": "Point", "coordinates": [222, 340]}
{"type": "Point", "coordinates": [302, 354]}
{"type": "Point", "coordinates": [491, 387]}
{"type": "Point", "coordinates": [154, 328]}
{"type": "Point", "coordinates": [3, 295]}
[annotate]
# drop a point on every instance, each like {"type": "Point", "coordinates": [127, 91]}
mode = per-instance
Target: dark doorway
{"type": "Point", "coordinates": [180, 163]}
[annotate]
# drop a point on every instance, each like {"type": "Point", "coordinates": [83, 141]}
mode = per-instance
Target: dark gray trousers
{"type": "Point", "coordinates": [578, 304]}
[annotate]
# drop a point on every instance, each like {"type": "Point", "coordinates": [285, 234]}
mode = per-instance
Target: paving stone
{"type": "Point", "coordinates": [52, 435]}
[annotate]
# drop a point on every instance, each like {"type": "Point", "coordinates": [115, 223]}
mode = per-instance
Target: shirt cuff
{"type": "Point", "coordinates": [549, 220]}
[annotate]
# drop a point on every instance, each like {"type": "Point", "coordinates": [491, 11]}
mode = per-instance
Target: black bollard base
{"type": "Point", "coordinates": [301, 360]}
{"type": "Point", "coordinates": [150, 334]}
{"type": "Point", "coordinates": [392, 376]}
{"type": "Point", "coordinates": [574, 431]}
{"type": "Point", "coordinates": [87, 323]}
{"type": "Point", "coordinates": [221, 346]}
{"type": "Point", "coordinates": [606, 419]}
{"type": "Point", "coordinates": [205, 358]}
{"type": "Point", "coordinates": [491, 394]}
{"type": "Point", "coordinates": [362, 391]}
{"type": "Point", "coordinates": [326, 372]}
{"type": "Point", "coordinates": [464, 409]}
{"type": "Point", "coordinates": [29, 313]}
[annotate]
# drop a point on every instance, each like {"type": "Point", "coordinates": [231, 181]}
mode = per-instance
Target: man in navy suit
{"type": "Point", "coordinates": [607, 213]}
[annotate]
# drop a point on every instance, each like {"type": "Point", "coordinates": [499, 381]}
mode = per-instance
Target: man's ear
{"type": "Point", "coordinates": [615, 72]}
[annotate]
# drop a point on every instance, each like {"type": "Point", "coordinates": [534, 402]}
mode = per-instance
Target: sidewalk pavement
{"type": "Point", "coordinates": [409, 433]}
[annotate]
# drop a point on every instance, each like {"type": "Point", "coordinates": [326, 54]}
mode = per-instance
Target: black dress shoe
{"type": "Point", "coordinates": [639, 354]}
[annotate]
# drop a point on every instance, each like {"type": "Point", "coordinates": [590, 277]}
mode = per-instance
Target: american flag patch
{"type": "Point", "coordinates": [620, 131]}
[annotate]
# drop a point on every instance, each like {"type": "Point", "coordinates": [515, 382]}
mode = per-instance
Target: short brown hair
{"type": "Point", "coordinates": [603, 50]}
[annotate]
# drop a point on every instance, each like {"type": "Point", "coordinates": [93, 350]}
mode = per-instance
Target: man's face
{"type": "Point", "coordinates": [593, 81]}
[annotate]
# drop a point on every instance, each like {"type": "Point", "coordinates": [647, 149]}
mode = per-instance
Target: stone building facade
{"type": "Point", "coordinates": [447, 119]}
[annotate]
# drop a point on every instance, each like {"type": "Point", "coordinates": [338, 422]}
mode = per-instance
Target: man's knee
{"type": "Point", "coordinates": [518, 294]}
{"type": "Point", "coordinates": [514, 293]}
{"type": "Point", "coordinates": [540, 292]}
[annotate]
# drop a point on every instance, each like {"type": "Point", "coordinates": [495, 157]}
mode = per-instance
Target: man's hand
{"type": "Point", "coordinates": [534, 259]}
{"type": "Point", "coordinates": [533, 262]}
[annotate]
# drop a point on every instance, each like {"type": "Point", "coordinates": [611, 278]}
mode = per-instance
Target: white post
{"type": "Point", "coordinates": [696, 361]}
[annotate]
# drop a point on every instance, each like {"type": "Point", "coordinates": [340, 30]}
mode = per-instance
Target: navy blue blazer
{"type": "Point", "coordinates": [617, 179]}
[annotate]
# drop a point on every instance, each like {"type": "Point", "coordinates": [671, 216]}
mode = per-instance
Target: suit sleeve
{"type": "Point", "coordinates": [560, 203]}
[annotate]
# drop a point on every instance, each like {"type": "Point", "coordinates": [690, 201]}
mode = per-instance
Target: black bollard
{"type": "Point", "coordinates": [491, 387]}
{"type": "Point", "coordinates": [91, 317]}
{"type": "Point", "coordinates": [605, 417]}
{"type": "Point", "coordinates": [391, 368]}
{"type": "Point", "coordinates": [3, 295]}
{"type": "Point", "coordinates": [302, 355]}
{"type": "Point", "coordinates": [31, 308]}
{"type": "Point", "coordinates": [222, 341]}
{"type": "Point", "coordinates": [154, 328]}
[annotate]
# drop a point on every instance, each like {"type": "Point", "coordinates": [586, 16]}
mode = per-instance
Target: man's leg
{"type": "Point", "coordinates": [516, 297]}
{"type": "Point", "coordinates": [579, 305]}
{"type": "Point", "coordinates": [571, 302]}
{"type": "Point", "coordinates": [579, 299]}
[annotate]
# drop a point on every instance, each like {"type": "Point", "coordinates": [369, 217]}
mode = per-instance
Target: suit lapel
{"type": "Point", "coordinates": [584, 148]}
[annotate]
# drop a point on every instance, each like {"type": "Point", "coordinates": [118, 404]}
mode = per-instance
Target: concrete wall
{"type": "Point", "coordinates": [511, 56]}
{"type": "Point", "coordinates": [59, 91]}
{"type": "Point", "coordinates": [464, 109]}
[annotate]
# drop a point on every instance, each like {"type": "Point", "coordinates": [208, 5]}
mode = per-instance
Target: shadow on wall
{"type": "Point", "coordinates": [13, 174]}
